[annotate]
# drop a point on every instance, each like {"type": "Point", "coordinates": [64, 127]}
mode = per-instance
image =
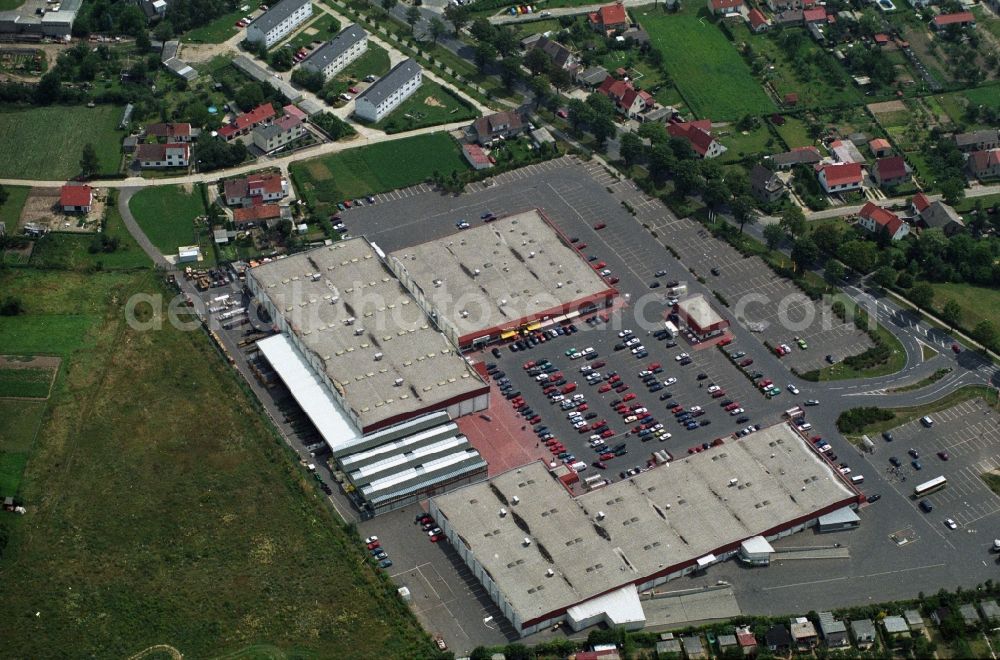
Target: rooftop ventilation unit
{"type": "Point", "coordinates": [397, 382]}
{"type": "Point", "coordinates": [515, 499]}
{"type": "Point", "coordinates": [378, 356]}
{"type": "Point", "coordinates": [527, 541]}
{"type": "Point", "coordinates": [349, 320]}
{"type": "Point", "coordinates": [359, 331]}
{"type": "Point", "coordinates": [315, 277]}
{"type": "Point", "coordinates": [503, 512]}
{"type": "Point", "coordinates": [600, 515]}
{"type": "Point", "coordinates": [559, 285]}
{"type": "Point", "coordinates": [549, 573]}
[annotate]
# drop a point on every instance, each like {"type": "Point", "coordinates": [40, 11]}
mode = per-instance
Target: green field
{"type": "Point", "coordinates": [325, 26]}
{"type": "Point", "coordinates": [377, 168]}
{"type": "Point", "coordinates": [794, 132]}
{"type": "Point", "coordinates": [977, 303]}
{"type": "Point", "coordinates": [10, 211]}
{"type": "Point", "coordinates": [72, 251]}
{"type": "Point", "coordinates": [48, 141]}
{"type": "Point", "coordinates": [19, 422]}
{"type": "Point", "coordinates": [740, 146]}
{"type": "Point", "coordinates": [430, 105]}
{"type": "Point", "coordinates": [25, 383]}
{"type": "Point", "coordinates": [166, 215]}
{"type": "Point", "coordinates": [710, 74]}
{"type": "Point", "coordinates": [374, 61]}
{"type": "Point", "coordinates": [164, 510]}
{"type": "Point", "coordinates": [222, 28]}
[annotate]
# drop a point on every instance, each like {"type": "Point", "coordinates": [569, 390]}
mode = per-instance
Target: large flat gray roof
{"type": "Point", "coordinates": [318, 291]}
{"type": "Point", "coordinates": [638, 527]}
{"type": "Point", "coordinates": [390, 82]}
{"type": "Point", "coordinates": [499, 272]}
{"type": "Point", "coordinates": [336, 47]}
{"type": "Point", "coordinates": [277, 13]}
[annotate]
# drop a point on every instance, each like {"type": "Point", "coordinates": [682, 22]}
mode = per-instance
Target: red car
{"type": "Point", "coordinates": [352, 90]}
{"type": "Point", "coordinates": [582, 407]}
{"type": "Point", "coordinates": [600, 265]}
{"type": "Point", "coordinates": [600, 225]}
{"type": "Point", "coordinates": [562, 113]}
{"type": "Point", "coordinates": [535, 420]}
{"type": "Point", "coordinates": [549, 390]}
{"type": "Point", "coordinates": [614, 279]}
{"type": "Point", "coordinates": [767, 382]}
{"type": "Point", "coordinates": [607, 434]}
{"type": "Point", "coordinates": [604, 388]}
{"type": "Point", "coordinates": [614, 380]}
{"type": "Point", "coordinates": [373, 545]}
{"type": "Point", "coordinates": [607, 456]}
{"type": "Point", "coordinates": [600, 423]}
{"type": "Point", "coordinates": [718, 394]}
{"type": "Point", "coordinates": [731, 407]}
{"type": "Point", "coordinates": [528, 365]}
{"type": "Point", "coordinates": [747, 362]}
{"type": "Point", "coordinates": [629, 397]}
{"type": "Point", "coordinates": [726, 342]}
{"type": "Point", "coordinates": [581, 246]}
{"type": "Point", "coordinates": [598, 364]}
{"type": "Point", "coordinates": [557, 449]}
{"type": "Point", "coordinates": [677, 409]}
{"type": "Point", "coordinates": [654, 365]}
{"type": "Point", "coordinates": [435, 538]}
{"type": "Point", "coordinates": [621, 388]}
{"type": "Point", "coordinates": [956, 348]}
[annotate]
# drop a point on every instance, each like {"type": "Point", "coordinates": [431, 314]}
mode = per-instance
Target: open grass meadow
{"type": "Point", "coordinates": [430, 105]}
{"type": "Point", "coordinates": [25, 383]}
{"type": "Point", "coordinates": [977, 303]}
{"type": "Point", "coordinates": [221, 28]}
{"type": "Point", "coordinates": [73, 251]}
{"type": "Point", "coordinates": [166, 215]}
{"type": "Point", "coordinates": [377, 168]}
{"type": "Point", "coordinates": [322, 28]}
{"type": "Point", "coordinates": [19, 424]}
{"type": "Point", "coordinates": [164, 510]}
{"type": "Point", "coordinates": [711, 76]}
{"type": "Point", "coordinates": [10, 210]}
{"type": "Point", "coordinates": [48, 141]}
{"type": "Point", "coordinates": [374, 61]}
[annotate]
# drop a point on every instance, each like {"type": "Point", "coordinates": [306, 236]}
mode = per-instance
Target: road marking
{"type": "Point", "coordinates": [844, 578]}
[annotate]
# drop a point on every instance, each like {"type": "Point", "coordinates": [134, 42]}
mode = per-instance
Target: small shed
{"type": "Point", "coordinates": [990, 610]}
{"type": "Point", "coordinates": [839, 520]}
{"type": "Point", "coordinates": [834, 631]}
{"type": "Point", "coordinates": [913, 619]}
{"type": "Point", "coordinates": [804, 633]}
{"type": "Point", "coordinates": [727, 643]}
{"type": "Point", "coordinates": [863, 632]}
{"type": "Point", "coordinates": [130, 143]}
{"type": "Point", "coordinates": [187, 253]}
{"type": "Point", "coordinates": [693, 648]}
{"type": "Point", "coordinates": [666, 646]}
{"type": "Point", "coordinates": [895, 626]}
{"type": "Point", "coordinates": [969, 615]}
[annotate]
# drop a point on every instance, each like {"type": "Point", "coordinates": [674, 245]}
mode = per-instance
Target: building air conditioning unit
{"type": "Point", "coordinates": [515, 499]}
{"type": "Point", "coordinates": [359, 331]}
{"type": "Point", "coordinates": [378, 356]}
{"type": "Point", "coordinates": [549, 573]}
{"type": "Point", "coordinates": [600, 515]}
{"type": "Point", "coordinates": [349, 320]}
{"type": "Point", "coordinates": [398, 382]}
{"type": "Point", "coordinates": [503, 512]}
{"type": "Point", "coordinates": [527, 541]}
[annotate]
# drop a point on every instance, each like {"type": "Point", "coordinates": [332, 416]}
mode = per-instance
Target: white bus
{"type": "Point", "coordinates": [929, 487]}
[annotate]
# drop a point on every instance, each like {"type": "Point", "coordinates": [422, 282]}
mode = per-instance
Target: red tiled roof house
{"type": "Point", "coordinates": [725, 7]}
{"type": "Point", "coordinates": [628, 100]}
{"type": "Point", "coordinates": [961, 19]}
{"type": "Point", "coordinates": [880, 147]}
{"type": "Point", "coordinates": [876, 219]}
{"type": "Point", "coordinates": [609, 19]}
{"type": "Point", "coordinates": [253, 215]}
{"type": "Point", "coordinates": [985, 164]}
{"type": "Point", "coordinates": [476, 157]}
{"type": "Point", "coordinates": [840, 177]}
{"type": "Point", "coordinates": [255, 189]}
{"type": "Point", "coordinates": [171, 132]}
{"type": "Point", "coordinates": [757, 21]}
{"type": "Point", "coordinates": [243, 124]}
{"type": "Point", "coordinates": [163, 155]}
{"type": "Point", "coordinates": [891, 171]}
{"type": "Point", "coordinates": [76, 198]}
{"type": "Point", "coordinates": [699, 136]}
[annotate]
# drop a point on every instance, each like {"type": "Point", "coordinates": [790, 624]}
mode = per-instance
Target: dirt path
{"type": "Point", "coordinates": [166, 648]}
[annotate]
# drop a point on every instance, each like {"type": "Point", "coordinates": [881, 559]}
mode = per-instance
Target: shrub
{"type": "Point", "coordinates": [855, 420]}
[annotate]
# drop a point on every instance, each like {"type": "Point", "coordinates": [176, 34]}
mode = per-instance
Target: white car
{"type": "Point", "coordinates": [644, 373]}
{"type": "Point", "coordinates": [638, 349]}
{"type": "Point", "coordinates": [624, 333]}
{"type": "Point", "coordinates": [557, 397]}
{"type": "Point", "coordinates": [632, 342]}
{"type": "Point", "coordinates": [589, 350]}
{"type": "Point", "coordinates": [694, 409]}
{"type": "Point", "coordinates": [576, 356]}
{"type": "Point", "coordinates": [736, 411]}
{"type": "Point", "coordinates": [371, 539]}
{"type": "Point", "coordinates": [640, 411]}
{"type": "Point", "coordinates": [670, 381]}
{"type": "Point", "coordinates": [681, 356]}
{"type": "Point", "coordinates": [663, 436]}
{"type": "Point", "coordinates": [845, 470]}
{"type": "Point", "coordinates": [630, 419]}
{"type": "Point", "coordinates": [585, 368]}
{"type": "Point", "coordinates": [672, 302]}
{"type": "Point", "coordinates": [462, 225]}
{"type": "Point", "coordinates": [657, 427]}
{"type": "Point", "coordinates": [950, 524]}
{"type": "Point", "coordinates": [793, 389]}
{"type": "Point", "coordinates": [606, 272]}
{"type": "Point", "coordinates": [580, 424]}
{"type": "Point", "coordinates": [713, 388]}
{"type": "Point", "coordinates": [578, 397]}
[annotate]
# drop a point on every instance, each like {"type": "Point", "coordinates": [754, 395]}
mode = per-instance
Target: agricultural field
{"type": "Point", "coordinates": [10, 210]}
{"type": "Point", "coordinates": [21, 378]}
{"type": "Point", "coordinates": [957, 104]}
{"type": "Point", "coordinates": [222, 28]}
{"type": "Point", "coordinates": [376, 168]}
{"type": "Point", "coordinates": [177, 493]}
{"type": "Point", "coordinates": [19, 423]}
{"type": "Point", "coordinates": [711, 76]}
{"type": "Point", "coordinates": [430, 105]}
{"type": "Point", "coordinates": [48, 141]}
{"type": "Point", "coordinates": [73, 251]}
{"type": "Point", "coordinates": [166, 215]}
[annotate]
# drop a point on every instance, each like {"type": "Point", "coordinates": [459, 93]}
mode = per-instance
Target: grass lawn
{"type": "Point", "coordinates": [28, 383]}
{"type": "Point", "coordinates": [740, 146]}
{"type": "Point", "coordinates": [525, 28]}
{"type": "Point", "coordinates": [70, 251]}
{"type": "Point", "coordinates": [977, 303]}
{"type": "Point", "coordinates": [164, 510]}
{"type": "Point", "coordinates": [710, 74]}
{"type": "Point", "coordinates": [325, 27]}
{"type": "Point", "coordinates": [10, 211]}
{"type": "Point", "coordinates": [374, 61]}
{"type": "Point", "coordinates": [377, 168]}
{"type": "Point", "coordinates": [904, 415]}
{"type": "Point", "coordinates": [220, 29]}
{"type": "Point", "coordinates": [166, 214]}
{"type": "Point", "coordinates": [48, 141]}
{"type": "Point", "coordinates": [430, 105]}
{"type": "Point", "coordinates": [795, 133]}
{"type": "Point", "coordinates": [19, 423]}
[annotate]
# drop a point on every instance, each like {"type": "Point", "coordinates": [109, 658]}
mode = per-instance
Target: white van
{"type": "Point", "coordinates": [927, 421]}
{"type": "Point", "coordinates": [858, 479]}
{"type": "Point", "coordinates": [579, 466]}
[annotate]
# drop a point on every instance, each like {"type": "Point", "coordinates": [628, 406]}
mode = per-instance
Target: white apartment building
{"type": "Point", "coordinates": [279, 21]}
{"type": "Point", "coordinates": [389, 91]}
{"type": "Point", "coordinates": [333, 56]}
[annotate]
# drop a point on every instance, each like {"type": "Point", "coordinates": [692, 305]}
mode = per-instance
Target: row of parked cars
{"type": "Point", "coordinates": [378, 553]}
{"type": "Point", "coordinates": [537, 337]}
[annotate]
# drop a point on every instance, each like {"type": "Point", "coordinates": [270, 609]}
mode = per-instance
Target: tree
{"type": "Point", "coordinates": [11, 306]}
{"type": "Point", "coordinates": [3, 195]}
{"type": "Point", "coordinates": [458, 15]}
{"type": "Point", "coordinates": [804, 252]}
{"type": "Point", "coordinates": [436, 28]}
{"type": "Point", "coordinates": [537, 61]}
{"type": "Point", "coordinates": [49, 88]}
{"type": "Point", "coordinates": [951, 314]}
{"type": "Point", "coordinates": [773, 235]}
{"type": "Point", "coordinates": [655, 132]}
{"type": "Point", "coordinates": [744, 211]}
{"type": "Point", "coordinates": [793, 220]}
{"type": "Point", "coordinates": [505, 41]}
{"type": "Point", "coordinates": [387, 5]}
{"type": "Point", "coordinates": [885, 276]}
{"type": "Point", "coordinates": [986, 334]}
{"type": "Point", "coordinates": [631, 148]}
{"type": "Point", "coordinates": [142, 42]}
{"type": "Point", "coordinates": [862, 256]}
{"type": "Point", "coordinates": [922, 295]}
{"type": "Point", "coordinates": [249, 96]}
{"type": "Point", "coordinates": [716, 194]}
{"type": "Point", "coordinates": [89, 163]}
{"type": "Point", "coordinates": [540, 89]}
{"type": "Point", "coordinates": [309, 79]}
{"type": "Point", "coordinates": [953, 190]}
{"type": "Point", "coordinates": [281, 59]}
{"type": "Point", "coordinates": [510, 70]}
{"type": "Point", "coordinates": [828, 238]}
{"type": "Point", "coordinates": [580, 114]}
{"type": "Point", "coordinates": [163, 32]}
{"type": "Point", "coordinates": [412, 18]}
{"type": "Point", "coordinates": [835, 270]}
{"type": "Point", "coordinates": [484, 53]}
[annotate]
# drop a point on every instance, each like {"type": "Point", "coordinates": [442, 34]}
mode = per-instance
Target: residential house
{"type": "Point", "coordinates": [476, 157]}
{"type": "Point", "coordinates": [172, 132]}
{"type": "Point", "coordinates": [592, 77]}
{"type": "Point", "coordinates": [834, 631]}
{"type": "Point", "coordinates": [757, 21]}
{"type": "Point", "coordinates": [609, 19]}
{"type": "Point", "coordinates": [984, 164]}
{"type": "Point", "coordinates": [880, 147]}
{"type": "Point", "coordinates": [765, 184]}
{"type": "Point", "coordinates": [935, 215]}
{"type": "Point", "coordinates": [283, 131]}
{"type": "Point", "coordinates": [777, 639]}
{"type": "Point", "coordinates": [817, 16]}
{"type": "Point", "coordinates": [693, 648]}
{"type": "Point", "coordinates": [699, 136]}
{"type": "Point", "coordinates": [797, 156]}
{"type": "Point", "coordinates": [499, 125]}
{"type": "Point", "coordinates": [746, 640]}
{"type": "Point", "coordinates": [787, 17]}
{"type": "Point", "coordinates": [962, 19]}
{"type": "Point", "coordinates": [882, 40]}
{"type": "Point", "coordinates": [334, 56]}
{"type": "Point", "coordinates": [876, 219]}
{"type": "Point", "coordinates": [389, 91]}
{"type": "Point", "coordinates": [665, 647]}
{"type": "Point", "coordinates": [255, 189]}
{"type": "Point", "coordinates": [256, 215]}
{"type": "Point", "coordinates": [279, 21]}
{"type": "Point", "coordinates": [76, 198]}
{"type": "Point", "coordinates": [778, 6]}
{"type": "Point", "coordinates": [130, 143]}
{"type": "Point", "coordinates": [969, 615]}
{"type": "Point", "coordinates": [844, 151]}
{"type": "Point", "coordinates": [895, 626]}
{"type": "Point", "coordinates": [727, 643]}
{"type": "Point", "coordinates": [803, 633]}
{"type": "Point", "coordinates": [863, 632]}
{"type": "Point", "coordinates": [891, 171]}
{"type": "Point", "coordinates": [725, 7]}
{"type": "Point", "coordinates": [246, 122]}
{"type": "Point", "coordinates": [561, 56]}
{"type": "Point", "coordinates": [914, 620]}
{"type": "Point", "coordinates": [841, 177]}
{"type": "Point", "coordinates": [627, 99]}
{"type": "Point", "coordinates": [172, 154]}
{"type": "Point", "coordinates": [990, 611]}
{"type": "Point", "coordinates": [940, 615]}
{"type": "Point", "coordinates": [977, 140]}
